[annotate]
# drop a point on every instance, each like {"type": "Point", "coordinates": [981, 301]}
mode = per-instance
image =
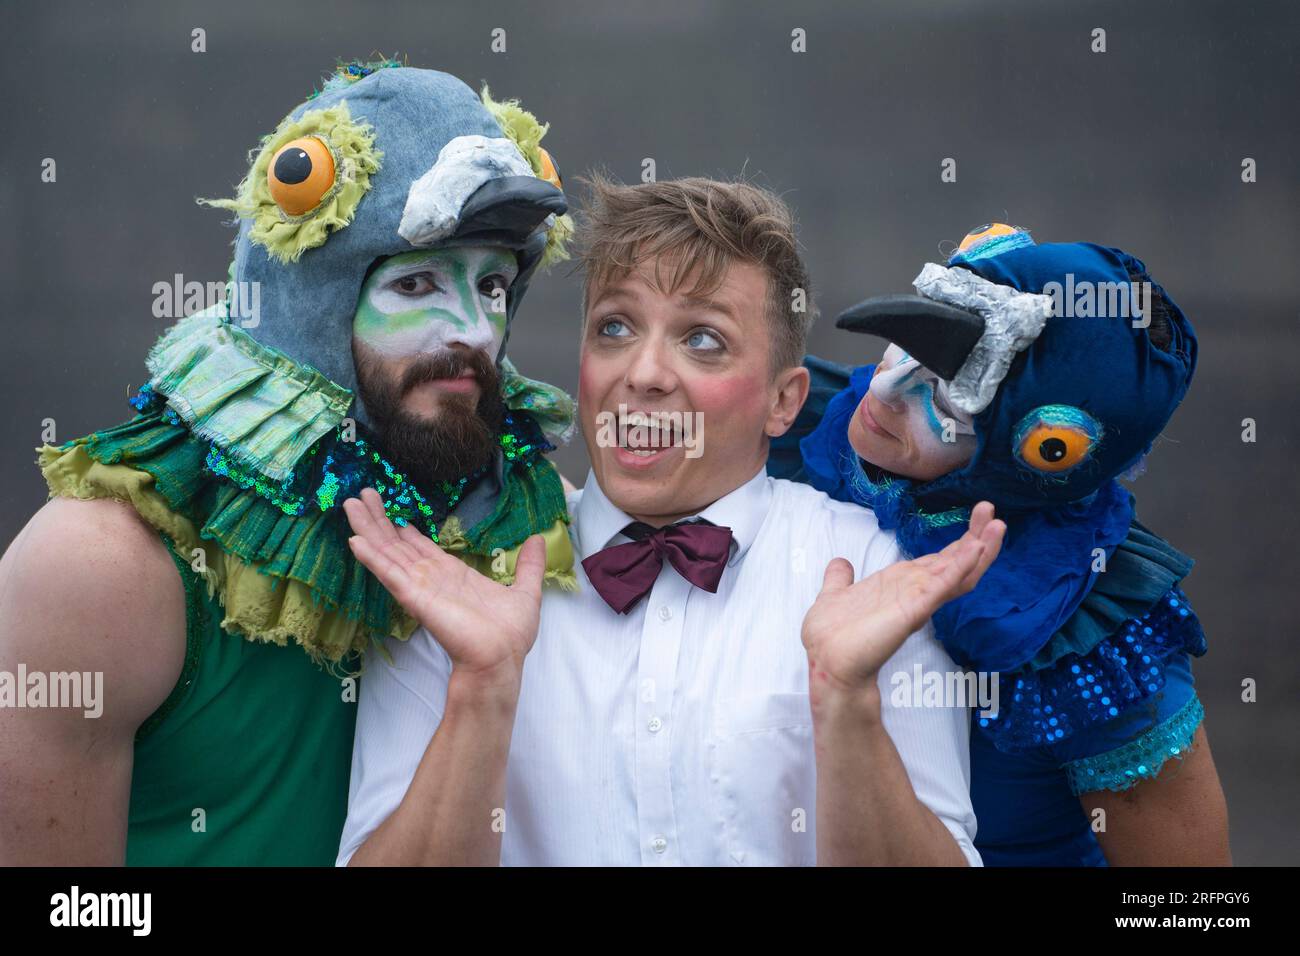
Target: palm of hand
{"type": "Point", "coordinates": [485, 622]}
{"type": "Point", "coordinates": [484, 626]}
{"type": "Point", "coordinates": [853, 629]}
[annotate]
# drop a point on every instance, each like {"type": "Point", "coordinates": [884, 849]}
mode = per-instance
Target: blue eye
{"type": "Point", "coordinates": [613, 324]}
{"type": "Point", "coordinates": [700, 339]}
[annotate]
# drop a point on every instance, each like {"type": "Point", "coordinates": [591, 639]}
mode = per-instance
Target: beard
{"type": "Point", "coordinates": [459, 440]}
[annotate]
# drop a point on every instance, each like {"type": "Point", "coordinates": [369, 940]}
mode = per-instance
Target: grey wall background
{"type": "Point", "coordinates": [1139, 147]}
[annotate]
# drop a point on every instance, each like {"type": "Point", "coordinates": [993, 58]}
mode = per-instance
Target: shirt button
{"type": "Point", "coordinates": [665, 612]}
{"type": "Point", "coordinates": [659, 844]}
{"type": "Point", "coordinates": [654, 724]}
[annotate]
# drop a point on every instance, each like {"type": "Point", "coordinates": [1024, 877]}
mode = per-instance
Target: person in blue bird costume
{"type": "Point", "coordinates": [1034, 376]}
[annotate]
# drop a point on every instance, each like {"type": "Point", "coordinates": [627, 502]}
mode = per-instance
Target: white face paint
{"type": "Point", "coordinates": [424, 302]}
{"type": "Point", "coordinates": [905, 423]}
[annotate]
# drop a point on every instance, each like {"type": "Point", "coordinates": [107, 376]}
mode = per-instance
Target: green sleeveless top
{"type": "Point", "coordinates": [247, 761]}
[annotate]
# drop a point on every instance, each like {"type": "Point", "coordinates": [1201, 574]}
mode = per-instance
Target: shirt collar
{"type": "Point", "coordinates": [742, 510]}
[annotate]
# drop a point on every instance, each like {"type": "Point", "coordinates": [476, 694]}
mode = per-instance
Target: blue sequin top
{"type": "Point", "coordinates": [1099, 721]}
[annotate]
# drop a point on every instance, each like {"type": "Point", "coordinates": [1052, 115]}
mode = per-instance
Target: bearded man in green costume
{"type": "Point", "coordinates": [196, 556]}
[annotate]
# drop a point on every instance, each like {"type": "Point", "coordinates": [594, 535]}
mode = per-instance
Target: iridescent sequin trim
{"type": "Point", "coordinates": [144, 399]}
{"type": "Point", "coordinates": [1138, 759]}
{"type": "Point", "coordinates": [890, 499]}
{"type": "Point", "coordinates": [993, 246]}
{"type": "Point", "coordinates": [335, 469]}
{"type": "Point", "coordinates": [1079, 691]}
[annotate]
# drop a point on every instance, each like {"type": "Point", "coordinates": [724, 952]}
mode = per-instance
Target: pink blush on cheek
{"type": "Point", "coordinates": [731, 409]}
{"type": "Point", "coordinates": [728, 396]}
{"type": "Point", "coordinates": [593, 381]}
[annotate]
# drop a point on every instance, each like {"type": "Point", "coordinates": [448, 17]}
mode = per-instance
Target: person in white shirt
{"type": "Point", "coordinates": [716, 692]}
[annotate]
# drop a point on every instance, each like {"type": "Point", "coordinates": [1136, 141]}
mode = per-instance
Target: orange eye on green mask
{"type": "Point", "coordinates": [300, 175]}
{"type": "Point", "coordinates": [306, 182]}
{"type": "Point", "coordinates": [550, 172]}
{"type": "Point", "coordinates": [1056, 438]}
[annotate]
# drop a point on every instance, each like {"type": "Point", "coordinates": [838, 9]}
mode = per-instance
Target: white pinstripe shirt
{"type": "Point", "coordinates": [681, 732]}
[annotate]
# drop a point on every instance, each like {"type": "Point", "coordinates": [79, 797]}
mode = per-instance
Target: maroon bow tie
{"type": "Point", "coordinates": [625, 573]}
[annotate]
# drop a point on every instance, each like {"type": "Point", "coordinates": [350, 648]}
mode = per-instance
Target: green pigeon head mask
{"type": "Point", "coordinates": [386, 160]}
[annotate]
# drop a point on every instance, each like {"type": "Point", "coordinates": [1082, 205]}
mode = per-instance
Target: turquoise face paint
{"type": "Point", "coordinates": [924, 397]}
{"type": "Point", "coordinates": [905, 384]}
{"type": "Point", "coordinates": [425, 301]}
{"type": "Point", "coordinates": [926, 436]}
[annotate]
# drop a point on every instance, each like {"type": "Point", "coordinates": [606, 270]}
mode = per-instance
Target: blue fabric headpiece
{"type": "Point", "coordinates": [1077, 407]}
{"type": "Point", "coordinates": [1084, 373]}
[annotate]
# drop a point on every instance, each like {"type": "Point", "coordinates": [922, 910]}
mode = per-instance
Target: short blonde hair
{"type": "Point", "coordinates": [703, 226]}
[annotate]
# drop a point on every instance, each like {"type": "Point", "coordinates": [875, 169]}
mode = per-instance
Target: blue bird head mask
{"type": "Point", "coordinates": [1068, 358]}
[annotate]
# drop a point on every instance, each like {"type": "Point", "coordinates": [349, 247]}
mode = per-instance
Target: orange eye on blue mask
{"type": "Point", "coordinates": [1055, 439]}
{"type": "Point", "coordinates": [301, 174]}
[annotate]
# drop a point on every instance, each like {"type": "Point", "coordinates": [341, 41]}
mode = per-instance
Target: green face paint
{"type": "Point", "coordinates": [424, 301]}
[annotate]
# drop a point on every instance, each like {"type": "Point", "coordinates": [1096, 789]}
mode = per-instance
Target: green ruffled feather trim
{"type": "Point", "coordinates": [265, 410]}
{"type": "Point", "coordinates": [285, 578]}
{"type": "Point", "coordinates": [1139, 759]}
{"type": "Point", "coordinates": [311, 550]}
{"type": "Point", "coordinates": [551, 407]}
{"type": "Point", "coordinates": [261, 407]}
{"type": "Point", "coordinates": [526, 132]}
{"type": "Point", "coordinates": [500, 564]}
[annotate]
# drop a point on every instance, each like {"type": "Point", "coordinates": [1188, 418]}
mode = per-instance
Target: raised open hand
{"type": "Point", "coordinates": [852, 629]}
{"type": "Point", "coordinates": [486, 628]}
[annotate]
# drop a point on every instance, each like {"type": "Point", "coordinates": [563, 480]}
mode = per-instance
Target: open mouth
{"type": "Point", "coordinates": [646, 437]}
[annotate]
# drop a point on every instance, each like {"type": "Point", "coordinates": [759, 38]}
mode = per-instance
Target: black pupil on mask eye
{"type": "Point", "coordinates": [293, 166]}
{"type": "Point", "coordinates": [1052, 449]}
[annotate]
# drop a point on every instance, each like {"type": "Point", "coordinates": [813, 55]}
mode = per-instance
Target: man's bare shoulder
{"type": "Point", "coordinates": [88, 586]}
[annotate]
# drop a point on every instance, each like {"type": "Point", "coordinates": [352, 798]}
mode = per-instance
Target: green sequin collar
{"type": "Point", "coordinates": [338, 466]}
